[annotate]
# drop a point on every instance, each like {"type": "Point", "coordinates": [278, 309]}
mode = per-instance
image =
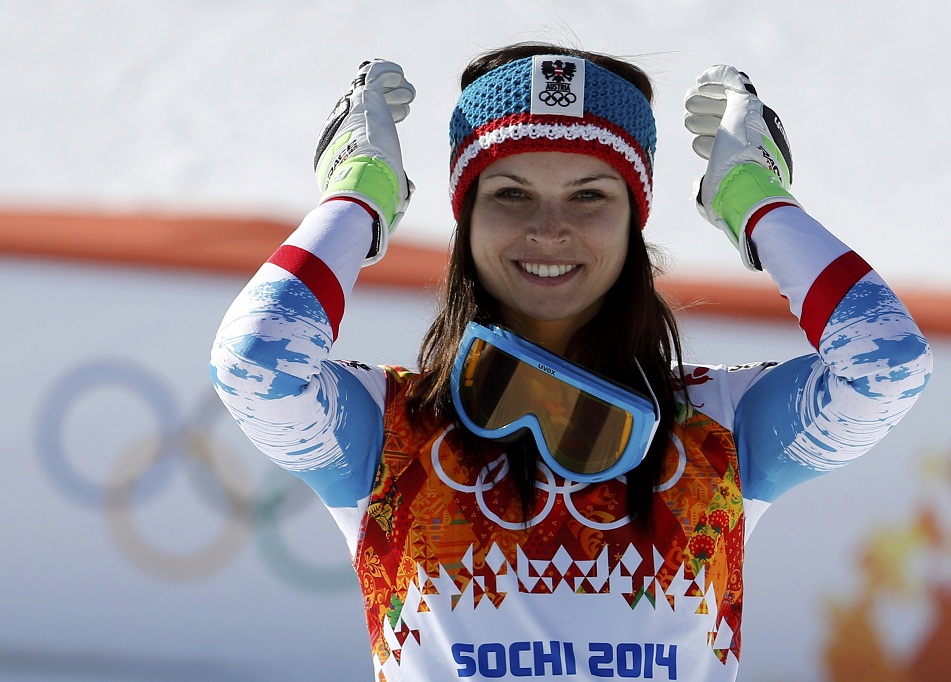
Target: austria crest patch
{"type": "Point", "coordinates": [558, 85]}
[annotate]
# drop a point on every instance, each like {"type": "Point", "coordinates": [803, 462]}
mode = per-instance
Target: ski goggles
{"type": "Point", "coordinates": [587, 428]}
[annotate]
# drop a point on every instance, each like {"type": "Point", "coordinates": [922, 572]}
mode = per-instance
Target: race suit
{"type": "Point", "coordinates": [456, 583]}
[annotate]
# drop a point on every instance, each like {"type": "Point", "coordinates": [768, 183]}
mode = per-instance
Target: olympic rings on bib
{"type": "Point", "coordinates": [145, 469]}
{"type": "Point", "coordinates": [549, 489]}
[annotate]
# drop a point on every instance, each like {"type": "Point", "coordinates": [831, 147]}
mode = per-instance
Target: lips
{"type": "Point", "coordinates": [546, 270]}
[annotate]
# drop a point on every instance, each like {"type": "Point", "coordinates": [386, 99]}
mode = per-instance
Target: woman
{"type": "Point", "coordinates": [556, 493]}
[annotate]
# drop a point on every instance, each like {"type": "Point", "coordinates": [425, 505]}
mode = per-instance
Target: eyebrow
{"type": "Point", "coordinates": [573, 183]}
{"type": "Point", "coordinates": [594, 178]}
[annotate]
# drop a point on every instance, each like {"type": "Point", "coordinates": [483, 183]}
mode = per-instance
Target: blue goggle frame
{"type": "Point", "coordinates": [642, 408]}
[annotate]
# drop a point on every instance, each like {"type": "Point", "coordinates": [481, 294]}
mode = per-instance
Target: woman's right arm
{"type": "Point", "coordinates": [270, 364]}
{"type": "Point", "coordinates": [319, 419]}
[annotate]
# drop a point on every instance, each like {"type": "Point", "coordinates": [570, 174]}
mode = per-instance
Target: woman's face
{"type": "Point", "coordinates": [549, 239]}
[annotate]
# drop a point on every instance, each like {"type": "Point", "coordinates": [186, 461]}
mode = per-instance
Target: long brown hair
{"type": "Point", "coordinates": [633, 322]}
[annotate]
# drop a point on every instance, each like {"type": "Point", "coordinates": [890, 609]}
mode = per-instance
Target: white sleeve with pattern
{"type": "Point", "coordinates": [816, 413]}
{"type": "Point", "coordinates": [320, 419]}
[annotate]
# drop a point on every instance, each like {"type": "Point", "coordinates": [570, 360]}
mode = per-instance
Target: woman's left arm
{"type": "Point", "coordinates": [818, 412]}
{"type": "Point", "coordinates": [814, 413]}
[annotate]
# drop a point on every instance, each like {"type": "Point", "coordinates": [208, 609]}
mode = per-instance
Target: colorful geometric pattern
{"type": "Point", "coordinates": [454, 535]}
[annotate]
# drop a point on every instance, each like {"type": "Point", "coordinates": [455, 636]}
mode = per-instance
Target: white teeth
{"type": "Point", "coordinates": [542, 270]}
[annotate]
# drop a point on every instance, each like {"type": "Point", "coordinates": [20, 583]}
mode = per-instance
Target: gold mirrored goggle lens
{"type": "Point", "coordinates": [583, 433]}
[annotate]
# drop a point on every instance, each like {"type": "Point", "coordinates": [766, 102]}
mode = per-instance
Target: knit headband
{"type": "Point", "coordinates": [553, 103]}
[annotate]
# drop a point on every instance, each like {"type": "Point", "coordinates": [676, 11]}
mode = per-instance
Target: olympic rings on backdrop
{"type": "Point", "coordinates": [144, 470]}
{"type": "Point", "coordinates": [277, 487]}
{"type": "Point", "coordinates": [173, 565]}
{"type": "Point", "coordinates": [70, 389]}
{"type": "Point", "coordinates": [241, 498]}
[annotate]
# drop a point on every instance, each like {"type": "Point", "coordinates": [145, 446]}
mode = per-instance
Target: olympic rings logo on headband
{"type": "Point", "coordinates": [144, 470]}
{"type": "Point", "coordinates": [557, 98]}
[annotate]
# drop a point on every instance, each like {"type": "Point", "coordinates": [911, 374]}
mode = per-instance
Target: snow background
{"type": "Point", "coordinates": [213, 105]}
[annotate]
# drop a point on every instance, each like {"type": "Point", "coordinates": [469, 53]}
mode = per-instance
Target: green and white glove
{"type": "Point", "coordinates": [750, 163]}
{"type": "Point", "coordinates": [358, 151]}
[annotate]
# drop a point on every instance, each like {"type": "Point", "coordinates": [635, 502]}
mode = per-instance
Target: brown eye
{"type": "Point", "coordinates": [590, 195]}
{"type": "Point", "coordinates": [509, 194]}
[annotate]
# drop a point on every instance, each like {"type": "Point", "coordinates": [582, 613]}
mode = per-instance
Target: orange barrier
{"type": "Point", "coordinates": [219, 243]}
{"type": "Point", "coordinates": [238, 244]}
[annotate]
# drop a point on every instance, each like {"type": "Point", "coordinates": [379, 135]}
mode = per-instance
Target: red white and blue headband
{"type": "Point", "coordinates": [553, 103]}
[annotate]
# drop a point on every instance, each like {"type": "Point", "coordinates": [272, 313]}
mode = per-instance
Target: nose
{"type": "Point", "coordinates": [548, 225]}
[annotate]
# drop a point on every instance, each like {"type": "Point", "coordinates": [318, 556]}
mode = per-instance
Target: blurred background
{"type": "Point", "coordinates": [155, 151]}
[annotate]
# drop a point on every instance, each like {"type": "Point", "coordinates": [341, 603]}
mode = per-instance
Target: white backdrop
{"type": "Point", "coordinates": [181, 579]}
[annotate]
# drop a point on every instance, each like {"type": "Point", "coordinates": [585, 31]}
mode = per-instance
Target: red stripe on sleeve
{"type": "Point", "coordinates": [827, 292]}
{"type": "Point", "coordinates": [316, 276]}
{"type": "Point", "coordinates": [353, 200]}
{"type": "Point", "coordinates": [760, 212]}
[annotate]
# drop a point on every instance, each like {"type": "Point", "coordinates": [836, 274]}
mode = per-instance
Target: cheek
{"type": "Point", "coordinates": [490, 233]}
{"type": "Point", "coordinates": [610, 237]}
{"type": "Point", "coordinates": [616, 259]}
{"type": "Point", "coordinates": [485, 249]}
{"type": "Point", "coordinates": [477, 243]}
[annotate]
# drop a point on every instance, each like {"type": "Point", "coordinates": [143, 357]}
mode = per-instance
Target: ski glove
{"type": "Point", "coordinates": [358, 151]}
{"type": "Point", "coordinates": [750, 163]}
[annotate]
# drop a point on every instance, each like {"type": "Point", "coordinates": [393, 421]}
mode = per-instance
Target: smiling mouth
{"type": "Point", "coordinates": [543, 270]}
